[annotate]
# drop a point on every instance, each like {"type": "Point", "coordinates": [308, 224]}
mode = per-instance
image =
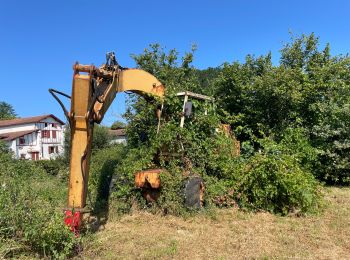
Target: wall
{"type": "Point", "coordinates": [32, 144]}
{"type": "Point", "coordinates": [119, 140]}
{"type": "Point", "coordinates": [47, 142]}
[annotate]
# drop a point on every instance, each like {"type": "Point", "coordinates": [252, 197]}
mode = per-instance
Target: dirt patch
{"type": "Point", "coordinates": [229, 234]}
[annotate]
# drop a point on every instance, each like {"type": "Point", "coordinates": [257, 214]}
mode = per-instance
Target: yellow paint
{"type": "Point", "coordinates": [80, 139]}
{"type": "Point", "coordinates": [135, 80]}
{"type": "Point", "coordinates": [140, 81]}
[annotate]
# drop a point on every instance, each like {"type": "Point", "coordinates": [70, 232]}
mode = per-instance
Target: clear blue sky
{"type": "Point", "coordinates": [40, 40]}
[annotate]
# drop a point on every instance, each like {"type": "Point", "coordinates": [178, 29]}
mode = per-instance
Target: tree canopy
{"type": "Point", "coordinates": [291, 119]}
{"type": "Point", "coordinates": [6, 111]}
{"type": "Point", "coordinates": [118, 125]}
{"type": "Point", "coordinates": [309, 89]}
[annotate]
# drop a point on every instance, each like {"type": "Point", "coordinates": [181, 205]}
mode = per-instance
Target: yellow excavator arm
{"type": "Point", "coordinates": [93, 91]}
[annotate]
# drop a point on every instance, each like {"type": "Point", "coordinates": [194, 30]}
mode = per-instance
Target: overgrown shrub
{"type": "Point", "coordinates": [3, 147]}
{"type": "Point", "coordinates": [277, 178]}
{"type": "Point", "coordinates": [124, 193]}
{"type": "Point", "coordinates": [273, 174]}
{"type": "Point", "coordinates": [31, 203]}
{"type": "Point", "coordinates": [55, 167]}
{"type": "Point", "coordinates": [331, 135]}
{"type": "Point", "coordinates": [310, 88]}
{"type": "Point", "coordinates": [276, 183]}
{"type": "Point", "coordinates": [100, 139]}
{"type": "Point", "coordinates": [103, 164]}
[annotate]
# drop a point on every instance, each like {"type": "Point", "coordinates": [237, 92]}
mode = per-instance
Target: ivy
{"type": "Point", "coordinates": [273, 173]}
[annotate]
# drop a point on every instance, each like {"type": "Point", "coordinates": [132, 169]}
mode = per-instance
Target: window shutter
{"type": "Point", "coordinates": [46, 133]}
{"type": "Point", "coordinates": [22, 140]}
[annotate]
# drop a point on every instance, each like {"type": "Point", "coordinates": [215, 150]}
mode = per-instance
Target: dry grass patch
{"type": "Point", "coordinates": [229, 234]}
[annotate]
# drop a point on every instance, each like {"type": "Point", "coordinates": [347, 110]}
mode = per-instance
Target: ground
{"type": "Point", "coordinates": [228, 234]}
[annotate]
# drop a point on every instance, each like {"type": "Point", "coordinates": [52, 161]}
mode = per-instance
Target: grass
{"type": "Point", "coordinates": [228, 234]}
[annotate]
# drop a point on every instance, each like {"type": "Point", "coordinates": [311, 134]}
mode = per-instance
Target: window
{"type": "Point", "coordinates": [54, 135]}
{"type": "Point", "coordinates": [45, 125]}
{"type": "Point", "coordinates": [46, 134]}
{"type": "Point", "coordinates": [51, 149]}
{"type": "Point", "coordinates": [22, 140]}
{"type": "Point", "coordinates": [35, 156]}
{"type": "Point", "coordinates": [54, 125]}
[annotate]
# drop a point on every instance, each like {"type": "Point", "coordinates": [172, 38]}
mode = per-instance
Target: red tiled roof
{"type": "Point", "coordinates": [118, 132]}
{"type": "Point", "coordinates": [14, 135]}
{"type": "Point", "coordinates": [27, 120]}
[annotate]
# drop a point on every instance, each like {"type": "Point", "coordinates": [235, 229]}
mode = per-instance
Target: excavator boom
{"type": "Point", "coordinates": [93, 91]}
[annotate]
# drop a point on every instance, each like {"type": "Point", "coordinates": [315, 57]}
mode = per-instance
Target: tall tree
{"type": "Point", "coordinates": [6, 111]}
{"type": "Point", "coordinates": [308, 89]}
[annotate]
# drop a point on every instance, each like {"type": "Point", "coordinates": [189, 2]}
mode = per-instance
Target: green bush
{"type": "Point", "coordinates": [276, 183]}
{"type": "Point", "coordinates": [309, 88]}
{"type": "Point", "coordinates": [31, 216]}
{"type": "Point", "coordinates": [277, 179]}
{"type": "Point", "coordinates": [3, 147]}
{"type": "Point", "coordinates": [124, 193]}
{"type": "Point", "coordinates": [331, 136]}
{"type": "Point", "coordinates": [55, 167]}
{"type": "Point", "coordinates": [103, 164]}
{"type": "Point", "coordinates": [295, 142]}
{"type": "Point", "coordinates": [273, 174]}
{"type": "Point", "coordinates": [171, 199]}
{"type": "Point", "coordinates": [100, 139]}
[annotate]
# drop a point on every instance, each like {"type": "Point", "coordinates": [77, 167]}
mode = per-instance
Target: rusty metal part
{"type": "Point", "coordinates": [148, 178]}
{"type": "Point", "coordinates": [151, 195]}
{"type": "Point", "coordinates": [93, 70]}
{"type": "Point", "coordinates": [149, 182]}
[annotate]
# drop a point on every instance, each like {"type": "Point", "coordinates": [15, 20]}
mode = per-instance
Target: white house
{"type": "Point", "coordinates": [118, 136]}
{"type": "Point", "coordinates": [35, 138]}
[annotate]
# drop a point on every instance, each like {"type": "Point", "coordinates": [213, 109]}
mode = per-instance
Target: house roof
{"type": "Point", "coordinates": [118, 132]}
{"type": "Point", "coordinates": [13, 135]}
{"type": "Point", "coordinates": [28, 120]}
